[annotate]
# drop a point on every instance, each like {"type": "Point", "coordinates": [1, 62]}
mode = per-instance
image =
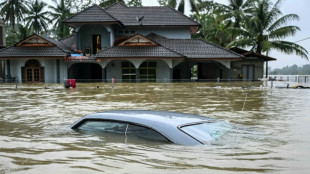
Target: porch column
{"type": "Point", "coordinates": [8, 75]}
{"type": "Point", "coordinates": [229, 74]}
{"type": "Point", "coordinates": [171, 74]}
{"type": "Point", "coordinates": [58, 70]}
{"type": "Point", "coordinates": [137, 75]}
{"type": "Point", "coordinates": [104, 75]}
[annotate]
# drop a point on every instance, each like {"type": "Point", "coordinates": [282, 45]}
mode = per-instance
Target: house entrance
{"type": "Point", "coordinates": [85, 72]}
{"type": "Point", "coordinates": [32, 72]}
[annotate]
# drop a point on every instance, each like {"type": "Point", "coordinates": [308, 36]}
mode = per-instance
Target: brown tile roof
{"type": "Point", "coordinates": [247, 53]}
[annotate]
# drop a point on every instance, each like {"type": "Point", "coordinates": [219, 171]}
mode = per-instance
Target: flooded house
{"type": "Point", "coordinates": [130, 44]}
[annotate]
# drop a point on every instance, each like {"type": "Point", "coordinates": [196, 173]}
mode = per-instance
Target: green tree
{"type": "Point", "coordinates": [135, 3]}
{"type": "Point", "coordinates": [237, 11]}
{"type": "Point", "coordinates": [180, 5]}
{"type": "Point", "coordinates": [106, 3]}
{"type": "Point", "coordinates": [37, 17]}
{"type": "Point", "coordinates": [13, 11]}
{"type": "Point", "coordinates": [213, 29]}
{"type": "Point", "coordinates": [15, 35]}
{"type": "Point", "coordinates": [61, 11]}
{"type": "Point", "coordinates": [265, 30]}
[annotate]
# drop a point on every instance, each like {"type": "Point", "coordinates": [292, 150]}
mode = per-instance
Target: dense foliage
{"type": "Point", "coordinates": [292, 70]}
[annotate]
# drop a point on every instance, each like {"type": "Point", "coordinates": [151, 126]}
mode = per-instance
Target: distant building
{"type": "Point", "coordinates": [130, 44]}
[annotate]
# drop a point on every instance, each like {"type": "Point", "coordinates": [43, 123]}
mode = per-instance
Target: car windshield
{"type": "Point", "coordinates": [205, 132]}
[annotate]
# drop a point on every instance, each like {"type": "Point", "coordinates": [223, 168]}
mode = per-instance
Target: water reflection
{"type": "Point", "coordinates": [272, 137]}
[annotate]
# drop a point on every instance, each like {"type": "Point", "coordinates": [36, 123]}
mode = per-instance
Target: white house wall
{"type": "Point", "coordinates": [50, 69]}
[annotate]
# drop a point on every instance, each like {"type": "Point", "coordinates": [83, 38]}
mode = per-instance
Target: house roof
{"type": "Point", "coordinates": [93, 14]}
{"type": "Point", "coordinates": [159, 16]}
{"type": "Point", "coordinates": [195, 48]}
{"type": "Point", "coordinates": [138, 52]}
{"type": "Point", "coordinates": [36, 46]}
{"type": "Point", "coordinates": [69, 41]}
{"type": "Point", "coordinates": [248, 54]}
{"type": "Point", "coordinates": [128, 16]}
{"type": "Point", "coordinates": [166, 48]}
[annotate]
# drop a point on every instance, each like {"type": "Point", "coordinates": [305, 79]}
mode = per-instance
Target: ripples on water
{"type": "Point", "coordinates": [273, 131]}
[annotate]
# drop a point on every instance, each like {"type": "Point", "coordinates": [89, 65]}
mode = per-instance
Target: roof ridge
{"type": "Point", "coordinates": [118, 2]}
{"type": "Point", "coordinates": [223, 48]}
{"type": "Point", "coordinates": [94, 5]}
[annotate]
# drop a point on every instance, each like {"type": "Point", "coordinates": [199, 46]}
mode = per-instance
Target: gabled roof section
{"type": "Point", "coordinates": [152, 16]}
{"type": "Point", "coordinates": [195, 48]}
{"type": "Point", "coordinates": [36, 46]}
{"type": "Point", "coordinates": [34, 40]}
{"type": "Point", "coordinates": [247, 53]}
{"type": "Point", "coordinates": [138, 40]}
{"type": "Point", "coordinates": [93, 14]}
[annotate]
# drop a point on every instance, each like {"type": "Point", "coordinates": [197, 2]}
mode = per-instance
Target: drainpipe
{"type": "Point", "coordinates": [267, 69]}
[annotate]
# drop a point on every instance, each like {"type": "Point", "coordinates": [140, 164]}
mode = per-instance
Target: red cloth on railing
{"type": "Point", "coordinates": [71, 83]}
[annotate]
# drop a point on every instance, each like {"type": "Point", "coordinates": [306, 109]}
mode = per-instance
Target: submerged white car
{"type": "Point", "coordinates": [170, 127]}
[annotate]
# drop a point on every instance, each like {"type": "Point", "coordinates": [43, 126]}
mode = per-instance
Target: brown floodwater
{"type": "Point", "coordinates": [273, 130]}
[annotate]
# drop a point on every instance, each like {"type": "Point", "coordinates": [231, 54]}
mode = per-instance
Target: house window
{"type": "Point", "coordinates": [248, 72]}
{"type": "Point", "coordinates": [128, 72]}
{"type": "Point", "coordinates": [148, 72]}
{"type": "Point", "coordinates": [127, 32]}
{"type": "Point", "coordinates": [96, 43]}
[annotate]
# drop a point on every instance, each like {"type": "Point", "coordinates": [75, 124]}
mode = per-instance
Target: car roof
{"type": "Point", "coordinates": [166, 123]}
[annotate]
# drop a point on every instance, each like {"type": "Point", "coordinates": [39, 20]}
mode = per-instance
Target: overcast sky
{"type": "Point", "coordinates": [299, 7]}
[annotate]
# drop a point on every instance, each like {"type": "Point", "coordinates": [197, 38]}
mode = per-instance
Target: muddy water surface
{"type": "Point", "coordinates": [273, 131]}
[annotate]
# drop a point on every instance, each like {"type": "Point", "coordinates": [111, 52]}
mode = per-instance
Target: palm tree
{"type": "Point", "coordinates": [265, 30]}
{"type": "Point", "coordinates": [13, 10]}
{"type": "Point", "coordinates": [181, 7]}
{"type": "Point", "coordinates": [37, 18]}
{"type": "Point", "coordinates": [238, 10]}
{"type": "Point", "coordinates": [214, 29]}
{"type": "Point", "coordinates": [61, 11]}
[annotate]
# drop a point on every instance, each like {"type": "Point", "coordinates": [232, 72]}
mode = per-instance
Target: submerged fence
{"type": "Point", "coordinates": [303, 79]}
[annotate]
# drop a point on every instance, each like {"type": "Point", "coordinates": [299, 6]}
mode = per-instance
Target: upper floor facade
{"type": "Point", "coordinates": [97, 28]}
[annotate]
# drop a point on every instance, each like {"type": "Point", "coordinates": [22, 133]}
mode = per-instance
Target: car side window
{"type": "Point", "coordinates": [107, 126]}
{"type": "Point", "coordinates": [128, 129]}
{"type": "Point", "coordinates": [145, 133]}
